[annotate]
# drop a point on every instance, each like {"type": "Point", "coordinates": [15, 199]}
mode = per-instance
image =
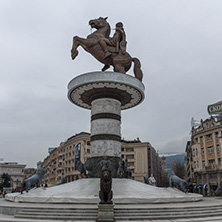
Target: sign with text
{"type": "Point", "coordinates": [215, 108]}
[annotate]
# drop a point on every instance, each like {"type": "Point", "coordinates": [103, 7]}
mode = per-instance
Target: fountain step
{"type": "Point", "coordinates": [121, 213]}
{"type": "Point", "coordinates": [58, 217]}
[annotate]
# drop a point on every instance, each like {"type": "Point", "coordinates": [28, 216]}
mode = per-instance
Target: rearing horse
{"type": "Point", "coordinates": [121, 62]}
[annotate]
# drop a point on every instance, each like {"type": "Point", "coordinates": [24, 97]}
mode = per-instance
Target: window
{"type": "Point", "coordinates": [129, 157]}
{"type": "Point", "coordinates": [194, 165]}
{"type": "Point", "coordinates": [129, 149]}
{"type": "Point", "coordinates": [211, 163]}
{"type": "Point", "coordinates": [203, 162]}
{"type": "Point", "coordinates": [201, 139]}
{"type": "Point", "coordinates": [202, 151]}
{"type": "Point", "coordinates": [130, 164]}
{"type": "Point", "coordinates": [209, 137]}
{"type": "Point", "coordinates": [219, 161]}
{"type": "Point", "coordinates": [216, 134]}
{"type": "Point", "coordinates": [213, 175]}
{"type": "Point", "coordinates": [218, 148]}
{"type": "Point", "coordinates": [210, 149]}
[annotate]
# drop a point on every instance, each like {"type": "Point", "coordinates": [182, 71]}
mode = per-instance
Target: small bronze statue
{"type": "Point", "coordinates": [105, 193]}
{"type": "Point", "coordinates": [122, 171]}
{"type": "Point", "coordinates": [108, 50]}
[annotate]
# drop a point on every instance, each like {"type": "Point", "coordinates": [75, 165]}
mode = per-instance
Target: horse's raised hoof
{"type": "Point", "coordinates": [74, 54]}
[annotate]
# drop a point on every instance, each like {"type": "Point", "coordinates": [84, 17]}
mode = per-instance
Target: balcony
{"type": "Point", "coordinates": [211, 167]}
{"type": "Point", "coordinates": [130, 160]}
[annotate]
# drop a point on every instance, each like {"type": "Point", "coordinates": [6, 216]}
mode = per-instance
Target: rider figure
{"type": "Point", "coordinates": [118, 41]}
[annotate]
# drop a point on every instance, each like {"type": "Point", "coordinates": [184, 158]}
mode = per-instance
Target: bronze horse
{"type": "Point", "coordinates": [120, 61]}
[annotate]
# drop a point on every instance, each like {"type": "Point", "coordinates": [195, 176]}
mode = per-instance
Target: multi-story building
{"type": "Point", "coordinates": [63, 160]}
{"type": "Point", "coordinates": [204, 153]}
{"type": "Point", "coordinates": [28, 172]}
{"type": "Point", "coordinates": [15, 171]}
{"type": "Point", "coordinates": [142, 159]}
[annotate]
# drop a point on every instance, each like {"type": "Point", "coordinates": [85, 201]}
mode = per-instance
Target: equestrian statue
{"type": "Point", "coordinates": [111, 51]}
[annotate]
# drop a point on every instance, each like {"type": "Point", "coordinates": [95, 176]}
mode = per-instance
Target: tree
{"type": "Point", "coordinates": [180, 170]}
{"type": "Point", "coordinates": [6, 181]}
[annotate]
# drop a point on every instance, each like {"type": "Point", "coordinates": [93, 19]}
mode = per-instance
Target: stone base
{"type": "Point", "coordinates": [105, 212]}
{"type": "Point", "coordinates": [96, 167]}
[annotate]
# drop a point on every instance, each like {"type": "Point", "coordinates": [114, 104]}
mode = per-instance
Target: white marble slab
{"type": "Point", "coordinates": [105, 148]}
{"type": "Point", "coordinates": [87, 191]}
{"type": "Point", "coordinates": [105, 126]}
{"type": "Point", "coordinates": [106, 106]}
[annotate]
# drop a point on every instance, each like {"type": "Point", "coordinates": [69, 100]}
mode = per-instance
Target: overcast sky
{"type": "Point", "coordinates": [179, 43]}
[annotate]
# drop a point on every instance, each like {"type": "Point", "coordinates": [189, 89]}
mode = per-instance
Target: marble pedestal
{"type": "Point", "coordinates": [105, 213]}
{"type": "Point", "coordinates": [105, 94]}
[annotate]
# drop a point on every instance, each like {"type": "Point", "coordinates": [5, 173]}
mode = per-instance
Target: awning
{"type": "Point", "coordinates": [196, 187]}
{"type": "Point", "coordinates": [205, 186]}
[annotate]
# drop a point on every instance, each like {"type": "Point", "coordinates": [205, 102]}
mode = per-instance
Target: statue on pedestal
{"type": "Point", "coordinates": [108, 50]}
{"type": "Point", "coordinates": [105, 193]}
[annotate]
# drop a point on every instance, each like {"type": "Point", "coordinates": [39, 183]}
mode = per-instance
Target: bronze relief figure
{"type": "Point", "coordinates": [111, 51]}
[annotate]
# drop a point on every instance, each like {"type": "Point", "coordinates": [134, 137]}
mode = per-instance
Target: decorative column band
{"type": "Point", "coordinates": [106, 116]}
{"type": "Point", "coordinates": [106, 137]}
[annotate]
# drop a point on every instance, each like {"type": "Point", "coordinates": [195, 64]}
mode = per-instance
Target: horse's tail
{"type": "Point", "coordinates": [137, 69]}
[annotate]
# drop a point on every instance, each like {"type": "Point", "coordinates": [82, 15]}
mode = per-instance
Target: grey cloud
{"type": "Point", "coordinates": [178, 43]}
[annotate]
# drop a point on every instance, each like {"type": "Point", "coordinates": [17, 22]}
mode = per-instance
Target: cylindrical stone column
{"type": "Point", "coordinates": [105, 94]}
{"type": "Point", "coordinates": [105, 127]}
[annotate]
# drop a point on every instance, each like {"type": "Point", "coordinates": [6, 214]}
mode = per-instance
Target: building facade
{"type": "Point", "coordinates": [15, 171]}
{"type": "Point", "coordinates": [204, 154]}
{"type": "Point", "coordinates": [28, 172]}
{"type": "Point", "coordinates": [142, 159]}
{"type": "Point", "coordinates": [63, 160]}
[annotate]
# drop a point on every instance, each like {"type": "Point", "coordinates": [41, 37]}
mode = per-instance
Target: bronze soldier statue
{"type": "Point", "coordinates": [118, 41]}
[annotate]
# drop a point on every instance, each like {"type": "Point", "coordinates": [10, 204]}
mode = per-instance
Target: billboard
{"type": "Point", "coordinates": [50, 149]}
{"type": "Point", "coordinates": [77, 155]}
{"type": "Point", "coordinates": [215, 108]}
